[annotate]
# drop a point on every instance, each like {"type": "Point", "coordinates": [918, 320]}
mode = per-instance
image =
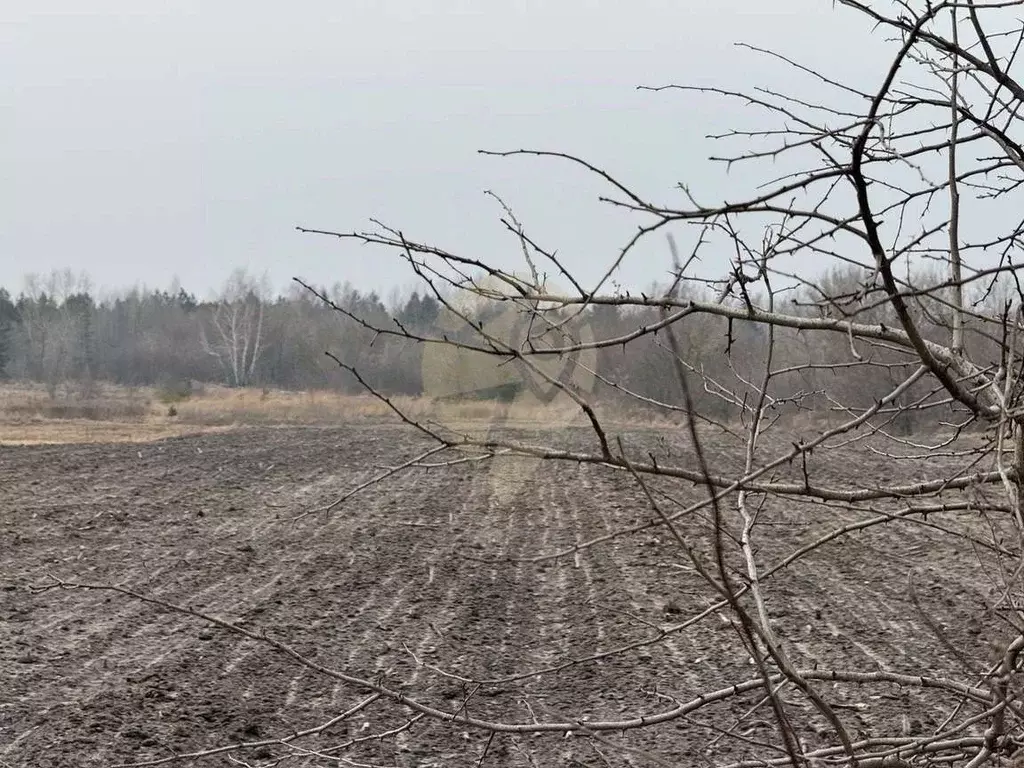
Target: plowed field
{"type": "Point", "coordinates": [425, 584]}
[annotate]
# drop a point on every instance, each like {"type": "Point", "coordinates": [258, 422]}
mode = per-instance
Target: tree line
{"type": "Point", "coordinates": [56, 331]}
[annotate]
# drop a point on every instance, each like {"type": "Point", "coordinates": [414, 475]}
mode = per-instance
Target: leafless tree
{"type": "Point", "coordinates": [236, 336]}
{"type": "Point", "coordinates": [54, 327]}
{"type": "Point", "coordinates": [871, 175]}
{"type": "Point", "coordinates": [806, 489]}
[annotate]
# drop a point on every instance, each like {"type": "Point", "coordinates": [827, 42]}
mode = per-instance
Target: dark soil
{"type": "Point", "coordinates": [426, 574]}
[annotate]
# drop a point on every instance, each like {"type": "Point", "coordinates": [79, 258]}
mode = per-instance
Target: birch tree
{"type": "Point", "coordinates": [233, 330]}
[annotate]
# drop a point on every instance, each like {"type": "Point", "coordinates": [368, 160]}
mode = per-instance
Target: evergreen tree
{"type": "Point", "coordinates": [8, 323]}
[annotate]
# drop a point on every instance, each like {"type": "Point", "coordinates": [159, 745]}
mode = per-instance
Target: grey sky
{"type": "Point", "coordinates": [145, 140]}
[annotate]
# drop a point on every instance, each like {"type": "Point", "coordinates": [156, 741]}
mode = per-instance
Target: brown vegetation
{"type": "Point", "coordinates": [111, 413]}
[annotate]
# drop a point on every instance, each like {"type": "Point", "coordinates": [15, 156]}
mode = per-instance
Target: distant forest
{"type": "Point", "coordinates": [55, 331]}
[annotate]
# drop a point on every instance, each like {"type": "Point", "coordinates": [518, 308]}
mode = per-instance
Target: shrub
{"type": "Point", "coordinates": [174, 391]}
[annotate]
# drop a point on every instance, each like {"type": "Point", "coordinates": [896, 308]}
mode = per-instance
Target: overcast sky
{"type": "Point", "coordinates": [144, 140]}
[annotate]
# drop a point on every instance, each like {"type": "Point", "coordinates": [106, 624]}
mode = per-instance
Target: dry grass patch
{"type": "Point", "coordinates": [29, 414]}
{"type": "Point", "coordinates": [221, 405]}
{"type": "Point", "coordinates": [109, 413]}
{"type": "Point", "coordinates": [85, 431]}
